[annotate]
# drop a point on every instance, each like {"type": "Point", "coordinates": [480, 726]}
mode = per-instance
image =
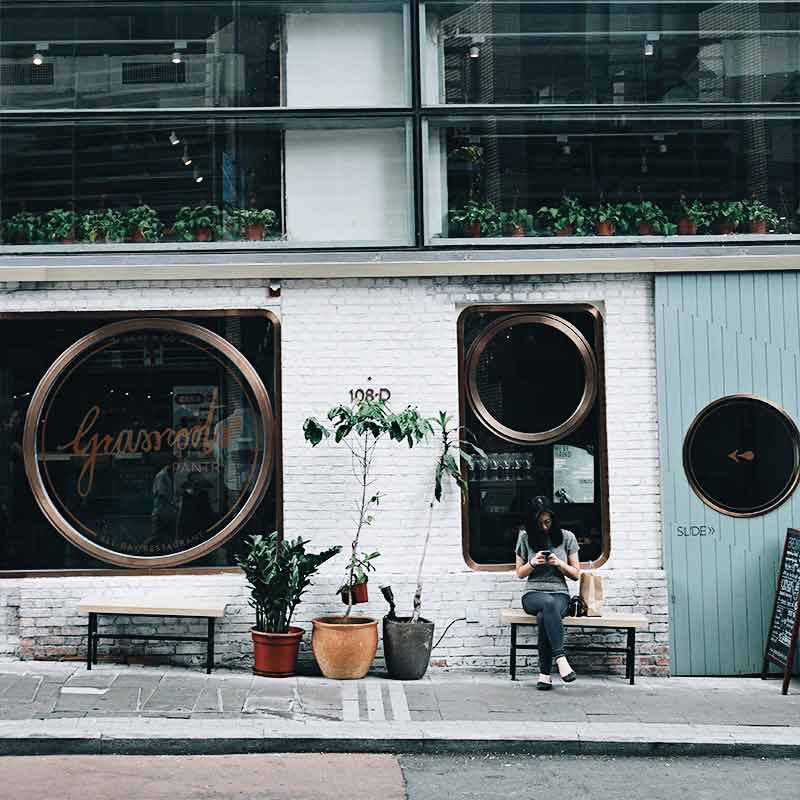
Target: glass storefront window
{"type": "Point", "coordinates": [203, 54]}
{"type": "Point", "coordinates": [149, 443]}
{"type": "Point", "coordinates": [532, 399]}
{"type": "Point", "coordinates": [494, 51]}
{"type": "Point", "coordinates": [627, 176]}
{"type": "Point", "coordinates": [327, 181]}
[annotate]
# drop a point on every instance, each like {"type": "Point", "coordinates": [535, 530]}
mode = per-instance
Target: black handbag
{"type": "Point", "coordinates": [577, 607]}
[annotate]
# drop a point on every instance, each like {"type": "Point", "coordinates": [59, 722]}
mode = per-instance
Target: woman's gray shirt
{"type": "Point", "coordinates": [546, 578]}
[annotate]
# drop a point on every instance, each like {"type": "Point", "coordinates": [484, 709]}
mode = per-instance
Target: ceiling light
{"type": "Point", "coordinates": [39, 48]}
{"type": "Point", "coordinates": [176, 57]}
{"type": "Point", "coordinates": [180, 44]}
{"type": "Point", "coordinates": [173, 139]}
{"type": "Point", "coordinates": [648, 48]}
{"type": "Point", "coordinates": [198, 178]}
{"type": "Point", "coordinates": [38, 59]}
{"type": "Point", "coordinates": [187, 161]}
{"type": "Point", "coordinates": [566, 149]}
{"type": "Point", "coordinates": [474, 51]}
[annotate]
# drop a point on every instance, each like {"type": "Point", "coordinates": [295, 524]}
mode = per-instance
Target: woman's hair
{"type": "Point", "coordinates": [537, 538]}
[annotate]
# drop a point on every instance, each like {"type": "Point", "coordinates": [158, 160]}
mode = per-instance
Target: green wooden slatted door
{"type": "Point", "coordinates": [717, 335]}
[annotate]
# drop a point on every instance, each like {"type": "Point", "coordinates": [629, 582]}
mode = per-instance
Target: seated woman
{"type": "Point", "coordinates": [545, 554]}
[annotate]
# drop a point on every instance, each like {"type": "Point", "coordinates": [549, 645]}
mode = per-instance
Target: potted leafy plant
{"type": "Point", "coordinates": [357, 591]}
{"type": "Point", "coordinates": [646, 218]}
{"type": "Point", "coordinates": [726, 216]}
{"type": "Point", "coordinates": [692, 216]}
{"type": "Point", "coordinates": [278, 572]}
{"type": "Point", "coordinates": [106, 224]}
{"type": "Point", "coordinates": [407, 641]}
{"type": "Point", "coordinates": [142, 224]}
{"type": "Point", "coordinates": [253, 223]}
{"type": "Point", "coordinates": [345, 645]}
{"type": "Point", "coordinates": [22, 228]}
{"type": "Point", "coordinates": [198, 223]}
{"type": "Point", "coordinates": [518, 221]}
{"type": "Point", "coordinates": [476, 218]}
{"type": "Point", "coordinates": [60, 225]}
{"type": "Point", "coordinates": [607, 218]}
{"type": "Point", "coordinates": [759, 217]}
{"type": "Point", "coordinates": [568, 218]}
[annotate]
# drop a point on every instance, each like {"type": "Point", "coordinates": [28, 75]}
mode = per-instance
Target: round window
{"type": "Point", "coordinates": [531, 378]}
{"type": "Point", "coordinates": [149, 442]}
{"type": "Point", "coordinates": [742, 456]}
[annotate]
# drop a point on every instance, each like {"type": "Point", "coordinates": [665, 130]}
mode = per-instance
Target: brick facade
{"type": "Point", "coordinates": [401, 334]}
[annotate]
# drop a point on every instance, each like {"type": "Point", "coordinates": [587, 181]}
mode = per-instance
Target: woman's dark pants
{"type": "Point", "coordinates": [549, 609]}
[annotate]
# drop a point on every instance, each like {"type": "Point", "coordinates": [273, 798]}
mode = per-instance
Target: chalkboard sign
{"type": "Point", "coordinates": [782, 639]}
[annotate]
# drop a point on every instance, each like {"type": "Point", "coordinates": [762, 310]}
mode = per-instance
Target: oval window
{"type": "Point", "coordinates": [149, 442]}
{"type": "Point", "coordinates": [531, 378]}
{"type": "Point", "coordinates": [742, 455]}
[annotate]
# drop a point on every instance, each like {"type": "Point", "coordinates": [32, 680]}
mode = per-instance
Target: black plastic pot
{"type": "Point", "coordinates": [407, 647]}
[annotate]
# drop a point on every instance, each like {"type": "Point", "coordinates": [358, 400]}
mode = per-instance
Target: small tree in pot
{"type": "Point", "coordinates": [408, 641]}
{"type": "Point", "coordinates": [692, 216]}
{"type": "Point", "coordinates": [199, 224]}
{"type": "Point", "coordinates": [568, 218]}
{"type": "Point", "coordinates": [345, 645]}
{"type": "Point", "coordinates": [759, 217]}
{"type": "Point", "coordinates": [143, 224]}
{"type": "Point", "coordinates": [278, 573]}
{"type": "Point", "coordinates": [252, 223]}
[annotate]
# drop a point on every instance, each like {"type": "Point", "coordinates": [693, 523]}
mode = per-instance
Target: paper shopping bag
{"type": "Point", "coordinates": [591, 592]}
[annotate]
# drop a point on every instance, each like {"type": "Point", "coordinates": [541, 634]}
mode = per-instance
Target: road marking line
{"type": "Point", "coordinates": [82, 690]}
{"type": "Point", "coordinates": [36, 690]}
{"type": "Point", "coordinates": [375, 710]}
{"type": "Point", "coordinates": [350, 701]}
{"type": "Point", "coordinates": [397, 694]}
{"type": "Point", "coordinates": [220, 703]}
{"type": "Point", "coordinates": [139, 699]}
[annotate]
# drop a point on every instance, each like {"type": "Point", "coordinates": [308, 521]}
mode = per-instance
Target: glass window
{"type": "Point", "coordinates": [632, 176]}
{"type": "Point", "coordinates": [531, 397]}
{"type": "Point", "coordinates": [332, 181]}
{"type": "Point", "coordinates": [629, 52]}
{"type": "Point", "coordinates": [203, 54]}
{"type": "Point", "coordinates": [155, 440]}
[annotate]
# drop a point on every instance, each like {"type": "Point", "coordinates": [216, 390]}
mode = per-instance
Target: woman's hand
{"type": "Point", "coordinates": [538, 559]}
{"type": "Point", "coordinates": [554, 561]}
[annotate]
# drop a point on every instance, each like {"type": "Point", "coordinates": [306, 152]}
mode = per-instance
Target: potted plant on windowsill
{"type": "Point", "coordinates": [143, 224]}
{"type": "Point", "coordinates": [408, 641]}
{"type": "Point", "coordinates": [476, 219]}
{"type": "Point", "coordinates": [646, 218]}
{"type": "Point", "coordinates": [345, 645]}
{"type": "Point", "coordinates": [22, 228]}
{"type": "Point", "coordinates": [607, 218]}
{"type": "Point", "coordinates": [252, 223]}
{"type": "Point", "coordinates": [358, 591]}
{"type": "Point", "coordinates": [198, 223]}
{"type": "Point", "coordinates": [568, 218]}
{"type": "Point", "coordinates": [106, 225]}
{"type": "Point", "coordinates": [758, 216]}
{"type": "Point", "coordinates": [518, 221]}
{"type": "Point", "coordinates": [278, 572]}
{"type": "Point", "coordinates": [691, 217]}
{"type": "Point", "coordinates": [60, 225]}
{"type": "Point", "coordinates": [726, 216]}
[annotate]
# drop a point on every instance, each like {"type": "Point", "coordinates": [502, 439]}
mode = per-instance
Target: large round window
{"type": "Point", "coordinates": [149, 442]}
{"type": "Point", "coordinates": [742, 456]}
{"type": "Point", "coordinates": [531, 378]}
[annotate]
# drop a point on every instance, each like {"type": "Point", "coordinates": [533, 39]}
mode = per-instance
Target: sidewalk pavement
{"type": "Point", "coordinates": [54, 707]}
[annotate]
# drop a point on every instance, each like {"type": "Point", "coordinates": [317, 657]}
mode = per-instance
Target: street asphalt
{"type": "Point", "coordinates": [49, 707]}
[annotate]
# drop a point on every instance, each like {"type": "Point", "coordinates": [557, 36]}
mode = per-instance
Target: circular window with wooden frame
{"type": "Point", "coordinates": [149, 443]}
{"type": "Point", "coordinates": [531, 377]}
{"type": "Point", "coordinates": [741, 455]}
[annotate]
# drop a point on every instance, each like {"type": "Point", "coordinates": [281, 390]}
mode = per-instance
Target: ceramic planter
{"type": "Point", "coordinates": [360, 593]}
{"type": "Point", "coordinates": [203, 235]}
{"type": "Point", "coordinates": [472, 230]}
{"type": "Point", "coordinates": [275, 654]}
{"type": "Point", "coordinates": [407, 647]}
{"type": "Point", "coordinates": [138, 236]}
{"type": "Point", "coordinates": [757, 226]}
{"type": "Point", "coordinates": [604, 228]}
{"type": "Point", "coordinates": [344, 646]}
{"type": "Point", "coordinates": [254, 233]}
{"type": "Point", "coordinates": [686, 227]}
{"type": "Point", "coordinates": [517, 230]}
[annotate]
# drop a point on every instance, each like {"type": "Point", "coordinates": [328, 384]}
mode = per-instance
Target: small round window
{"type": "Point", "coordinates": [149, 442]}
{"type": "Point", "coordinates": [742, 456]}
{"type": "Point", "coordinates": [531, 378]}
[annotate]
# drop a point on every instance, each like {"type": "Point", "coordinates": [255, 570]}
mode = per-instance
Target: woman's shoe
{"type": "Point", "coordinates": [569, 677]}
{"type": "Point", "coordinates": [544, 686]}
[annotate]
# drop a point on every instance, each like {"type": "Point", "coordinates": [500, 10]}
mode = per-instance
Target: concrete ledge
{"type": "Point", "coordinates": [141, 736]}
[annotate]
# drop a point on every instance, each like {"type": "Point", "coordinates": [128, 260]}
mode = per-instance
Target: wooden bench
{"type": "Point", "coordinates": [627, 622]}
{"type": "Point", "coordinates": [155, 606]}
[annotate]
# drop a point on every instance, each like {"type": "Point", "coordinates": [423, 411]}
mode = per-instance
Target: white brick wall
{"type": "Point", "coordinates": [402, 333]}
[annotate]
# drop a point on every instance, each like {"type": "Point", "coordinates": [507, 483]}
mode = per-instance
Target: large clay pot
{"type": "Point", "coordinates": [254, 233]}
{"type": "Point", "coordinates": [472, 230]}
{"type": "Point", "coordinates": [275, 654]}
{"type": "Point", "coordinates": [567, 230]}
{"type": "Point", "coordinates": [645, 229]}
{"type": "Point", "coordinates": [407, 647]}
{"type": "Point", "coordinates": [138, 236]}
{"type": "Point", "coordinates": [724, 225]}
{"type": "Point", "coordinates": [686, 227]}
{"type": "Point", "coordinates": [203, 235]}
{"type": "Point", "coordinates": [517, 230]}
{"type": "Point", "coordinates": [360, 593]}
{"type": "Point", "coordinates": [604, 228]}
{"type": "Point", "coordinates": [344, 646]}
{"type": "Point", "coordinates": [758, 226]}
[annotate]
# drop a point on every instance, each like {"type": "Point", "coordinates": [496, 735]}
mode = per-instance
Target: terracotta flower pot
{"type": "Point", "coordinates": [472, 230]}
{"type": "Point", "coordinates": [757, 226]}
{"type": "Point", "coordinates": [604, 228]}
{"type": "Point", "coordinates": [138, 236]}
{"type": "Point", "coordinates": [344, 646]}
{"type": "Point", "coordinates": [254, 233]}
{"type": "Point", "coordinates": [724, 225]}
{"type": "Point", "coordinates": [275, 654]}
{"type": "Point", "coordinates": [360, 593]}
{"type": "Point", "coordinates": [203, 235]}
{"type": "Point", "coordinates": [517, 230]}
{"type": "Point", "coordinates": [69, 238]}
{"type": "Point", "coordinates": [567, 230]}
{"type": "Point", "coordinates": [645, 229]}
{"type": "Point", "coordinates": [686, 227]}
